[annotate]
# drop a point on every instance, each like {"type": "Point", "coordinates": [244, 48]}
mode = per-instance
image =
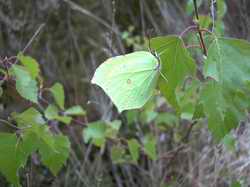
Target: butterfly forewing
{"type": "Point", "coordinates": [128, 80]}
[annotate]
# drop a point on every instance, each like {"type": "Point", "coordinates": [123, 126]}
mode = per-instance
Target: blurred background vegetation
{"type": "Point", "coordinates": [77, 36]}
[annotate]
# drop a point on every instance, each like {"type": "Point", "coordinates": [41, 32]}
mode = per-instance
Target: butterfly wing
{"type": "Point", "coordinates": [128, 80]}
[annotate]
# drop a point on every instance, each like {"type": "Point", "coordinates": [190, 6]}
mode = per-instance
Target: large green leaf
{"type": "Point", "coordinates": [14, 154]}
{"type": "Point", "coordinates": [9, 164]}
{"type": "Point", "coordinates": [54, 149]}
{"type": "Point", "coordinates": [25, 84]}
{"type": "Point", "coordinates": [129, 80]}
{"type": "Point", "coordinates": [54, 157]}
{"type": "Point", "coordinates": [226, 97]}
{"type": "Point", "coordinates": [176, 65]}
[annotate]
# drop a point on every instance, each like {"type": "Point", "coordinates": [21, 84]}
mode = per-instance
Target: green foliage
{"type": "Point", "coordinates": [58, 94]}
{"type": "Point", "coordinates": [30, 64]}
{"type": "Point", "coordinates": [97, 132]}
{"type": "Point", "coordinates": [25, 84]}
{"type": "Point", "coordinates": [33, 135]}
{"type": "Point", "coordinates": [118, 154]}
{"type": "Point", "coordinates": [219, 94]}
{"type": "Point", "coordinates": [176, 65]}
{"type": "Point", "coordinates": [134, 148]}
{"type": "Point", "coordinates": [226, 97]}
{"type": "Point", "coordinates": [129, 80]}
{"type": "Point", "coordinates": [75, 111]}
{"type": "Point", "coordinates": [52, 113]}
{"type": "Point", "coordinates": [12, 157]}
{"type": "Point", "coordinates": [150, 143]}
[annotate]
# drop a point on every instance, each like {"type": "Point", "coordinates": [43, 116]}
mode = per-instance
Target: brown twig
{"type": "Point", "coordinates": [198, 28]}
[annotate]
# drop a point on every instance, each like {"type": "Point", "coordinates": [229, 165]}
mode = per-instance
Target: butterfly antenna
{"type": "Point", "coordinates": [149, 42]}
{"type": "Point", "coordinates": [163, 76]}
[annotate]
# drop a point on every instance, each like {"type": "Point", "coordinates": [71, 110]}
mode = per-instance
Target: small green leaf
{"type": "Point", "coordinates": [117, 154]}
{"type": "Point", "coordinates": [95, 131]}
{"type": "Point", "coordinates": [25, 85]}
{"type": "Point", "coordinates": [167, 119]}
{"type": "Point", "coordinates": [150, 147]}
{"type": "Point", "coordinates": [30, 64]}
{"type": "Point", "coordinates": [229, 141]}
{"type": "Point", "coordinates": [236, 184]}
{"type": "Point", "coordinates": [75, 111]}
{"type": "Point", "coordinates": [112, 128]}
{"type": "Point", "coordinates": [64, 119]}
{"type": "Point", "coordinates": [134, 148]}
{"type": "Point", "coordinates": [28, 117]}
{"type": "Point", "coordinates": [52, 113]}
{"type": "Point", "coordinates": [58, 94]}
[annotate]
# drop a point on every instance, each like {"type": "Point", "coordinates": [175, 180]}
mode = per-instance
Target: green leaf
{"type": "Point", "coordinates": [30, 64]}
{"type": "Point", "coordinates": [28, 117]}
{"type": "Point", "coordinates": [229, 142]}
{"type": "Point", "coordinates": [54, 149]}
{"type": "Point", "coordinates": [150, 147]}
{"type": "Point", "coordinates": [25, 85]}
{"type": "Point", "coordinates": [54, 158]}
{"type": "Point", "coordinates": [167, 118]}
{"type": "Point", "coordinates": [64, 119]}
{"type": "Point", "coordinates": [236, 184]}
{"type": "Point", "coordinates": [205, 21]}
{"type": "Point", "coordinates": [187, 99]}
{"type": "Point", "coordinates": [9, 163]}
{"type": "Point", "coordinates": [176, 65]}
{"type": "Point", "coordinates": [112, 129]}
{"type": "Point", "coordinates": [129, 80]}
{"type": "Point", "coordinates": [75, 111]}
{"type": "Point", "coordinates": [52, 113]}
{"type": "Point", "coordinates": [58, 94]}
{"type": "Point", "coordinates": [95, 132]}
{"type": "Point", "coordinates": [134, 148]}
{"type": "Point", "coordinates": [226, 98]}
{"type": "Point", "coordinates": [117, 154]}
{"type": "Point", "coordinates": [14, 154]}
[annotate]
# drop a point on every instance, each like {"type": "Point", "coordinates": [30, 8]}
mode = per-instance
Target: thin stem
{"type": "Point", "coordinates": [196, 9]}
{"type": "Point", "coordinates": [9, 124]}
{"type": "Point", "coordinates": [192, 27]}
{"type": "Point", "coordinates": [198, 28]}
{"type": "Point", "coordinates": [33, 37]}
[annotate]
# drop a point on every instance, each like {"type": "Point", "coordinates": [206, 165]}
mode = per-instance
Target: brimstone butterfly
{"type": "Point", "coordinates": [129, 80]}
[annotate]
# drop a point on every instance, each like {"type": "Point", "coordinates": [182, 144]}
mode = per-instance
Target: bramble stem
{"type": "Point", "coordinates": [198, 28]}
